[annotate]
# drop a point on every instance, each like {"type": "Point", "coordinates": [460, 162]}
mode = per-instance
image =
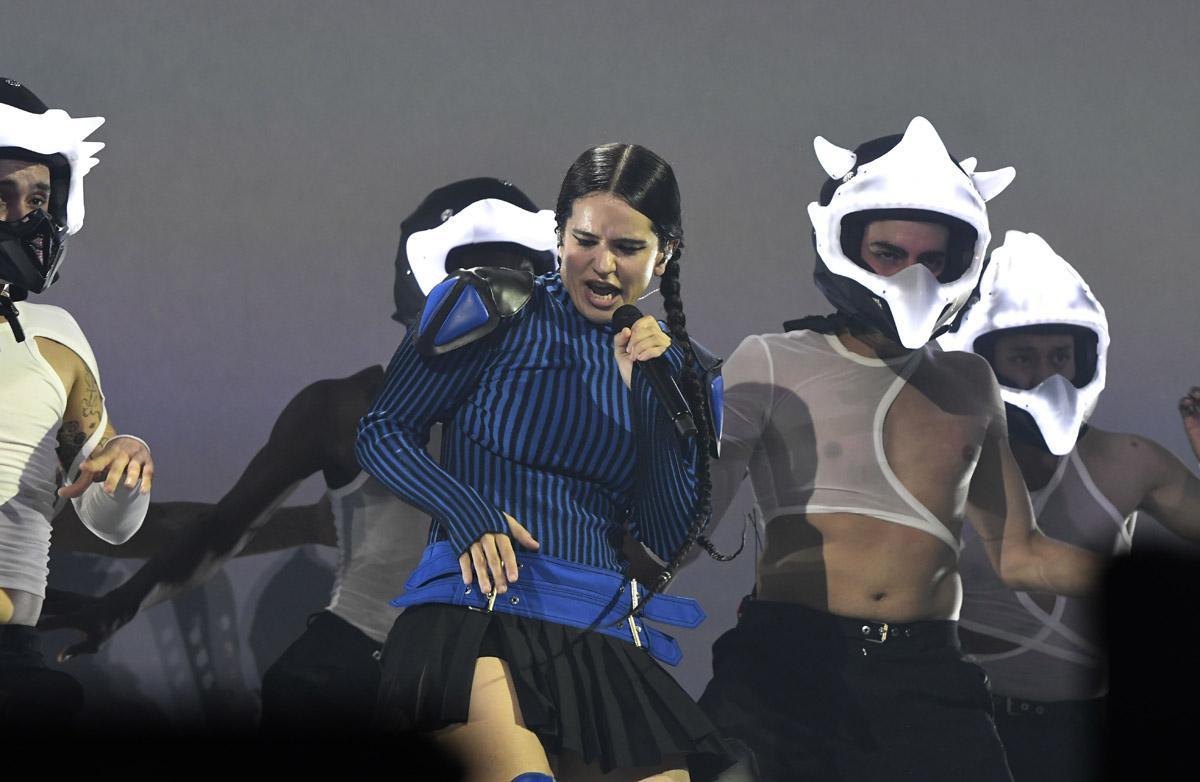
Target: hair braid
{"type": "Point", "coordinates": [693, 391]}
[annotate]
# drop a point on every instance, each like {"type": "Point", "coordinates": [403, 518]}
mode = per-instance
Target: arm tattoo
{"type": "Point", "coordinates": [82, 419]}
{"type": "Point", "coordinates": [91, 403]}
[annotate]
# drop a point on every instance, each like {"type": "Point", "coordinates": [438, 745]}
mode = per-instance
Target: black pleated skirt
{"type": "Point", "coordinates": [606, 700]}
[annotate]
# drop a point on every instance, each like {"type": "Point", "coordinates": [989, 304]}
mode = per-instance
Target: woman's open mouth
{"type": "Point", "coordinates": [601, 295]}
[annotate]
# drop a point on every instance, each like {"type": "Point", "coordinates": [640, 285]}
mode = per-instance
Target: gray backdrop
{"type": "Point", "coordinates": [244, 218]}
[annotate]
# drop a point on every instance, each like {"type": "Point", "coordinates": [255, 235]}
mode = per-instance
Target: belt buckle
{"type": "Point", "coordinates": [1015, 707]}
{"type": "Point", "coordinates": [634, 630]}
{"type": "Point", "coordinates": [883, 631]}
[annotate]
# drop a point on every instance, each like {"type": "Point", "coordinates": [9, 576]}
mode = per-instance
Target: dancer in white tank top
{"type": "Point", "coordinates": [1046, 337]}
{"type": "Point", "coordinates": [326, 681]}
{"type": "Point", "coordinates": [56, 441]}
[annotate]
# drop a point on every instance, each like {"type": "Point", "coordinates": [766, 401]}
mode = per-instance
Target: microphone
{"type": "Point", "coordinates": [658, 372]}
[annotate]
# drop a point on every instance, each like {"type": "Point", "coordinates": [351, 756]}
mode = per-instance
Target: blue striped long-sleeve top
{"type": "Point", "coordinates": [536, 423]}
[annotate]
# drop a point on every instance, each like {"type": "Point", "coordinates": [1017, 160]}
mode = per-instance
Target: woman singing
{"type": "Point", "coordinates": [524, 648]}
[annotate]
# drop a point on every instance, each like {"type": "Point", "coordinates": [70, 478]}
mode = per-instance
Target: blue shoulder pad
{"type": "Point", "coordinates": [468, 305]}
{"type": "Point", "coordinates": [710, 378]}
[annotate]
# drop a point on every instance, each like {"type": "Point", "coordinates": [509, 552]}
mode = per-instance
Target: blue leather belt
{"type": "Point", "coordinates": [556, 590]}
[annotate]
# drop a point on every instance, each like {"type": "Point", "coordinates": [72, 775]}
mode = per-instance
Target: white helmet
{"type": "Point", "coordinates": [916, 175]}
{"type": "Point", "coordinates": [32, 248]}
{"type": "Point", "coordinates": [1028, 284]}
{"type": "Point", "coordinates": [488, 220]}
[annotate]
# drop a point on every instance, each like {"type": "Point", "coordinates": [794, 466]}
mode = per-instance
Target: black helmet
{"type": "Point", "coordinates": [32, 248]}
{"type": "Point", "coordinates": [474, 222]}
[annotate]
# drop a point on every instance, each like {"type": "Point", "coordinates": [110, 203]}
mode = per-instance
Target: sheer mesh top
{"type": "Point", "coordinates": [805, 415]}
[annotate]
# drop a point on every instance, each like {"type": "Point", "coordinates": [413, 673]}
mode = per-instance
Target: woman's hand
{"type": "Point", "coordinates": [641, 342]}
{"type": "Point", "coordinates": [493, 558]}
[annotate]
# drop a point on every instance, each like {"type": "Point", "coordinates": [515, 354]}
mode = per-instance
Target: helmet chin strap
{"type": "Point", "coordinates": [833, 323]}
{"type": "Point", "coordinates": [8, 311]}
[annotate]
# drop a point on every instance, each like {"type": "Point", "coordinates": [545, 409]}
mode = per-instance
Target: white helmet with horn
{"type": "Point", "coordinates": [912, 178]}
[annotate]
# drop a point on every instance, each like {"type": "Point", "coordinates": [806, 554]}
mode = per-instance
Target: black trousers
{"type": "Point", "coordinates": [324, 683]}
{"type": "Point", "coordinates": [813, 700]}
{"type": "Point", "coordinates": [1057, 741]}
{"type": "Point", "coordinates": [33, 698]}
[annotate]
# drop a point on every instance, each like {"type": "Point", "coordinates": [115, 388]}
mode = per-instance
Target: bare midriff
{"type": "Point", "coordinates": [857, 566]}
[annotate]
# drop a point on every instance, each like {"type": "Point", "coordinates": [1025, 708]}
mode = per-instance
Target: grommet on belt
{"type": "Point", "coordinates": [468, 591]}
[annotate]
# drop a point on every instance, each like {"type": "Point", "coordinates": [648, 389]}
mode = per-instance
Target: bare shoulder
{"type": "Point", "coordinates": [63, 360]}
{"type": "Point", "coordinates": [1153, 477]}
{"type": "Point", "coordinates": [60, 341]}
{"type": "Point", "coordinates": [1132, 451]}
{"type": "Point", "coordinates": [970, 376]}
{"type": "Point", "coordinates": [971, 366]}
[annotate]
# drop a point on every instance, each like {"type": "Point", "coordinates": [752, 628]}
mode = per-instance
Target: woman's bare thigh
{"type": "Point", "coordinates": [494, 744]}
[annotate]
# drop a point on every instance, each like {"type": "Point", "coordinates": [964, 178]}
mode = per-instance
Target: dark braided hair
{"type": "Point", "coordinates": [646, 182]}
{"type": "Point", "coordinates": [693, 387]}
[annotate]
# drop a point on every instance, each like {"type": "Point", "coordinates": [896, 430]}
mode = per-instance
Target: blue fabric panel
{"type": "Point", "coordinates": [433, 301]}
{"type": "Point", "coordinates": [469, 313]}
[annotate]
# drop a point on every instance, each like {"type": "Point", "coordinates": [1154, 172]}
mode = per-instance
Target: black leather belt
{"type": "Point", "coordinates": [917, 635]}
{"type": "Point", "coordinates": [20, 645]}
{"type": "Point", "coordinates": [23, 638]}
{"type": "Point", "coordinates": [876, 632]}
{"type": "Point", "coordinates": [1019, 707]}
